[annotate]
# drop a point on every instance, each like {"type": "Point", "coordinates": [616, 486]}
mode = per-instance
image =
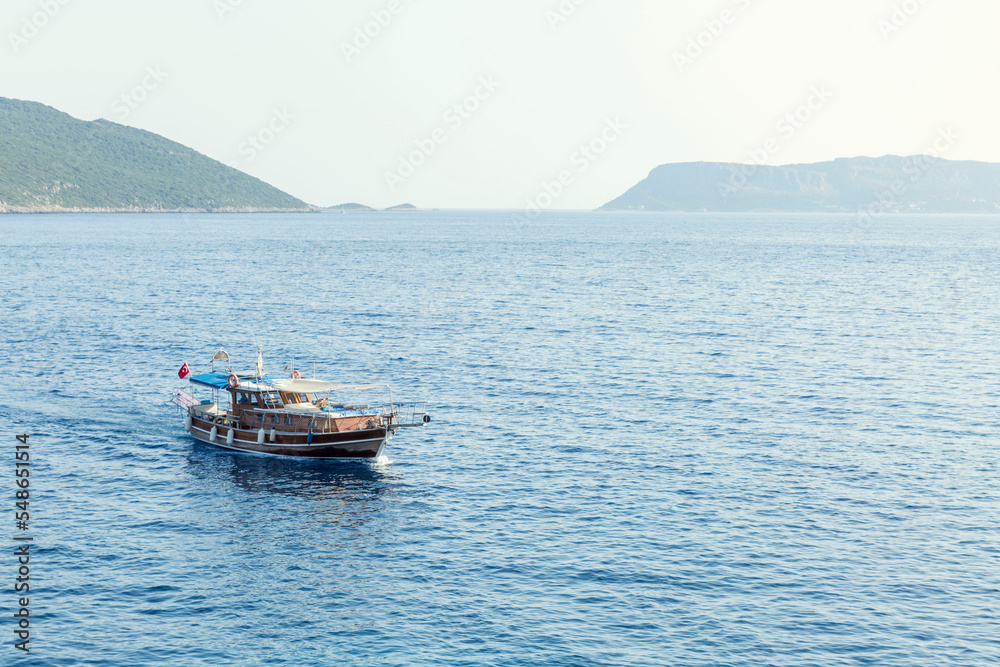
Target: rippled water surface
{"type": "Point", "coordinates": [657, 440]}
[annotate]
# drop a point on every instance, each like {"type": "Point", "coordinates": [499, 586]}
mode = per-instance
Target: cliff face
{"type": "Point", "coordinates": [52, 162]}
{"type": "Point", "coordinates": [890, 184]}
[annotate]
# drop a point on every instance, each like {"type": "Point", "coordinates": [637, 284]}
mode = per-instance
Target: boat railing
{"type": "Point", "coordinates": [317, 423]}
{"type": "Point", "coordinates": [405, 414]}
{"type": "Point", "coordinates": [285, 422]}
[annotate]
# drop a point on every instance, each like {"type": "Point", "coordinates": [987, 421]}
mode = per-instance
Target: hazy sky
{"type": "Point", "coordinates": [454, 104]}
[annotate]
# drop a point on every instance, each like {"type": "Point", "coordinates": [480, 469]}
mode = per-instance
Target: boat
{"type": "Point", "coordinates": [289, 416]}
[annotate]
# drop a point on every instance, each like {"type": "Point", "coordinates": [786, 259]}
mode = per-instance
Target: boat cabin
{"type": "Point", "coordinates": [294, 404]}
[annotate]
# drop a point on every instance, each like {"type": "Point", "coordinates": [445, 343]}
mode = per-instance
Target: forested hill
{"type": "Point", "coordinates": [51, 162]}
{"type": "Point", "coordinates": [889, 184]}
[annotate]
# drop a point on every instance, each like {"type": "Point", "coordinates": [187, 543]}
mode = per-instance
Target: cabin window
{"type": "Point", "coordinates": [274, 419]}
{"type": "Point", "coordinates": [241, 398]}
{"type": "Point", "coordinates": [304, 398]}
{"type": "Point", "coordinates": [253, 401]}
{"type": "Point", "coordinates": [260, 417]}
{"type": "Point", "coordinates": [288, 420]}
{"type": "Point", "coordinates": [312, 423]}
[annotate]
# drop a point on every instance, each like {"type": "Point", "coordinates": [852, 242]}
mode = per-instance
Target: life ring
{"type": "Point", "coordinates": [234, 381]}
{"type": "Point", "coordinates": [296, 375]}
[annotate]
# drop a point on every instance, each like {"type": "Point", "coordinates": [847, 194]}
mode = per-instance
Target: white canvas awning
{"type": "Point", "coordinates": [302, 386]}
{"type": "Point", "coordinates": [307, 386]}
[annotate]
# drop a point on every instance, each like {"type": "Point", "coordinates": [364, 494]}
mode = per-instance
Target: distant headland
{"type": "Point", "coordinates": [51, 162]}
{"type": "Point", "coordinates": [889, 184]}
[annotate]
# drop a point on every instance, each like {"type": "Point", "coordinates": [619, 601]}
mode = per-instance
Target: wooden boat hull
{"type": "Point", "coordinates": [360, 444]}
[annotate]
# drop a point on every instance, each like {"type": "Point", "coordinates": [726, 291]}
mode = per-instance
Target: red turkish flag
{"type": "Point", "coordinates": [184, 371]}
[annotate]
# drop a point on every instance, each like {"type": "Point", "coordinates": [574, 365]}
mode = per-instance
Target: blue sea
{"type": "Point", "coordinates": [657, 439]}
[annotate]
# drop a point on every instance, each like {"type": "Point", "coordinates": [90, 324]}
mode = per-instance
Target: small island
{"type": "Point", "coordinates": [348, 208]}
{"type": "Point", "coordinates": [361, 208]}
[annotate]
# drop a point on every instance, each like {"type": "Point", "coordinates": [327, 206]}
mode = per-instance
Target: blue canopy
{"type": "Point", "coordinates": [217, 380]}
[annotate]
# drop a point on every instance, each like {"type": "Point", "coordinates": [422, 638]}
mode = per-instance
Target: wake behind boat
{"type": "Point", "coordinates": [293, 416]}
